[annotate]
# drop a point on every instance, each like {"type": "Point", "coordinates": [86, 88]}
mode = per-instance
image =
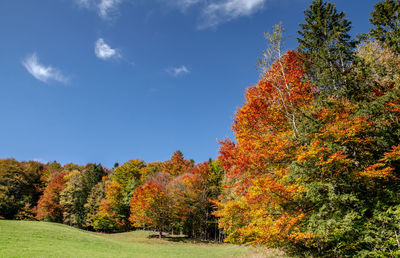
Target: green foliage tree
{"type": "Point", "coordinates": [128, 176]}
{"type": "Point", "coordinates": [114, 209]}
{"type": "Point", "coordinates": [129, 171]}
{"type": "Point", "coordinates": [327, 45]}
{"type": "Point", "coordinates": [72, 199]}
{"type": "Point", "coordinates": [20, 184]}
{"type": "Point", "coordinates": [150, 170]}
{"type": "Point", "coordinates": [386, 22]}
{"type": "Point", "coordinates": [74, 196]}
{"type": "Point", "coordinates": [51, 170]}
{"type": "Point", "coordinates": [94, 199]}
{"type": "Point", "coordinates": [215, 178]}
{"type": "Point", "coordinates": [111, 215]}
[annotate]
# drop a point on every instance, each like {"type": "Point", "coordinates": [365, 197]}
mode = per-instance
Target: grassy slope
{"type": "Point", "coordinates": [41, 239]}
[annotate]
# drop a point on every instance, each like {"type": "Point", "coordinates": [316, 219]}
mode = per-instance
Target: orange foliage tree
{"type": "Point", "coordinates": [311, 170]}
{"type": "Point", "coordinates": [151, 205]}
{"type": "Point", "coordinates": [111, 216]}
{"type": "Point", "coordinates": [260, 205]}
{"type": "Point", "coordinates": [191, 200]}
{"type": "Point", "coordinates": [177, 165]}
{"type": "Point", "coordinates": [49, 207]}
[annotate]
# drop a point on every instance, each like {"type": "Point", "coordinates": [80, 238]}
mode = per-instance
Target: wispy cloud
{"type": "Point", "coordinates": [105, 8]}
{"type": "Point", "coordinates": [104, 51]}
{"type": "Point", "coordinates": [177, 71]}
{"type": "Point", "coordinates": [41, 72]}
{"type": "Point", "coordinates": [217, 12]}
{"type": "Point", "coordinates": [212, 12]}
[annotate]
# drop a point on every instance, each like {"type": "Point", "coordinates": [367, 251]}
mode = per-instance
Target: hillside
{"type": "Point", "coordinates": [34, 239]}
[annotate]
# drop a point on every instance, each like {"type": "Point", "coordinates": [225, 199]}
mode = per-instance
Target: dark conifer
{"type": "Point", "coordinates": [386, 21]}
{"type": "Point", "coordinates": [327, 45]}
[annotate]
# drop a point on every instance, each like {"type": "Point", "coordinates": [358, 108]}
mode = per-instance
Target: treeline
{"type": "Point", "coordinates": [174, 196]}
{"type": "Point", "coordinates": [315, 167]}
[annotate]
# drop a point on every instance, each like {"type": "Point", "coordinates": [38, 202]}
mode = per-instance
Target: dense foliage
{"type": "Point", "coordinates": [176, 195]}
{"type": "Point", "coordinates": [21, 184]}
{"type": "Point", "coordinates": [315, 166]}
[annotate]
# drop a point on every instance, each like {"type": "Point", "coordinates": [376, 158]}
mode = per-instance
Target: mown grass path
{"type": "Point", "coordinates": [42, 239]}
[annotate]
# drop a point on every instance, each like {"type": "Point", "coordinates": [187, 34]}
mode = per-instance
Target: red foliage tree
{"type": "Point", "coordinates": [49, 207]}
{"type": "Point", "coordinates": [257, 193]}
{"type": "Point", "coordinates": [151, 205]}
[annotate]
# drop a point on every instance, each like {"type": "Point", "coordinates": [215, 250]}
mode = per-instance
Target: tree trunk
{"type": "Point", "coordinates": [215, 232]}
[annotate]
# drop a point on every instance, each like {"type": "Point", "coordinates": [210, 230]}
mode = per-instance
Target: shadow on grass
{"type": "Point", "coordinates": [181, 239]}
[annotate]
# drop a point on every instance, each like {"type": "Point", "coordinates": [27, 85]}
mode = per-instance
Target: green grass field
{"type": "Point", "coordinates": [42, 239]}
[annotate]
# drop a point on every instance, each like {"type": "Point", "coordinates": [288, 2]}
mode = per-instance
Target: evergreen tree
{"type": "Point", "coordinates": [386, 21]}
{"type": "Point", "coordinates": [327, 45]}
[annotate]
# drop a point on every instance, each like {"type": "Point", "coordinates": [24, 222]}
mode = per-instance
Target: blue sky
{"type": "Point", "coordinates": [111, 80]}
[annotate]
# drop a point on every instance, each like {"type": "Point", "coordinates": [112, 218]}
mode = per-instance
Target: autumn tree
{"type": "Point", "coordinates": [49, 207]}
{"type": "Point", "coordinates": [128, 176]}
{"type": "Point", "coordinates": [151, 168]}
{"type": "Point", "coordinates": [327, 186]}
{"type": "Point", "coordinates": [151, 204]}
{"type": "Point", "coordinates": [94, 199]}
{"type": "Point", "coordinates": [110, 216]}
{"type": "Point", "coordinates": [21, 185]}
{"type": "Point", "coordinates": [71, 199]}
{"type": "Point", "coordinates": [51, 170]}
{"type": "Point", "coordinates": [260, 205]}
{"type": "Point", "coordinates": [194, 194]}
{"type": "Point", "coordinates": [129, 171]}
{"type": "Point", "coordinates": [177, 164]}
{"type": "Point", "coordinates": [381, 169]}
{"type": "Point", "coordinates": [75, 194]}
{"type": "Point", "coordinates": [190, 203]}
{"type": "Point", "coordinates": [113, 210]}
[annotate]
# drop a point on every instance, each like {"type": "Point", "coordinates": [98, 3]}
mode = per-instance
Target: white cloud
{"type": "Point", "coordinates": [41, 72]}
{"type": "Point", "coordinates": [106, 7]}
{"type": "Point", "coordinates": [218, 12]}
{"type": "Point", "coordinates": [104, 51]}
{"type": "Point", "coordinates": [212, 12]}
{"type": "Point", "coordinates": [177, 71]}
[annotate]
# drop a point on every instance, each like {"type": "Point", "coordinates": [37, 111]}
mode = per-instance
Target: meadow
{"type": "Point", "coordinates": [43, 239]}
